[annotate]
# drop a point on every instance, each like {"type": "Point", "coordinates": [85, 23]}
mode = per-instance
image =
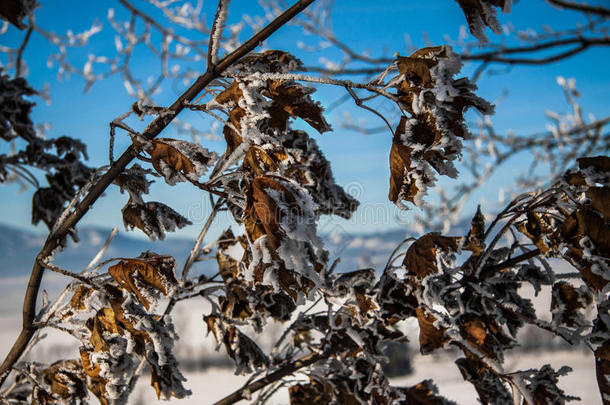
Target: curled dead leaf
{"type": "Point", "coordinates": [566, 303]}
{"type": "Point", "coordinates": [316, 392]}
{"type": "Point", "coordinates": [430, 140]}
{"type": "Point", "coordinates": [587, 237]}
{"type": "Point", "coordinates": [77, 302]}
{"type": "Point", "coordinates": [66, 379]}
{"type": "Point", "coordinates": [421, 258]}
{"type": "Point", "coordinates": [152, 218]}
{"type": "Point", "coordinates": [481, 13]}
{"type": "Point", "coordinates": [144, 275]}
{"type": "Point", "coordinates": [475, 240]}
{"type": "Point", "coordinates": [178, 160]}
{"type": "Point", "coordinates": [431, 336]}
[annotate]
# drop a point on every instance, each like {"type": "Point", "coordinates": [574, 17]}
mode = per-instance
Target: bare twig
{"type": "Point", "coordinates": [216, 33]}
{"type": "Point", "coordinates": [280, 373]}
{"type": "Point", "coordinates": [582, 7]}
{"type": "Point", "coordinates": [24, 43]}
{"type": "Point", "coordinates": [195, 251]}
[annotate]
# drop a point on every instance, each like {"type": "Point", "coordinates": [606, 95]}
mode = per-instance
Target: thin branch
{"type": "Point", "coordinates": [280, 373]}
{"type": "Point", "coordinates": [216, 34]}
{"type": "Point", "coordinates": [22, 48]}
{"type": "Point", "coordinates": [67, 273]}
{"type": "Point", "coordinates": [512, 262]}
{"type": "Point", "coordinates": [581, 7]}
{"type": "Point", "coordinates": [195, 251]}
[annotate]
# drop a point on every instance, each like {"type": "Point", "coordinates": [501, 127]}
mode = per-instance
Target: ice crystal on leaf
{"type": "Point", "coordinates": [281, 227]}
{"type": "Point", "coordinates": [430, 140]}
{"type": "Point", "coordinates": [152, 218]}
{"type": "Point", "coordinates": [178, 160]}
{"type": "Point", "coordinates": [481, 14]}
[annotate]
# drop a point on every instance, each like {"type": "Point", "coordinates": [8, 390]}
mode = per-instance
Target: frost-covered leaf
{"type": "Point", "coordinates": [490, 388]}
{"type": "Point", "coordinates": [431, 139]}
{"type": "Point", "coordinates": [134, 181]}
{"type": "Point", "coordinates": [152, 218]}
{"type": "Point", "coordinates": [567, 303]}
{"type": "Point", "coordinates": [178, 160]}
{"type": "Point", "coordinates": [271, 61]}
{"type": "Point", "coordinates": [292, 100]}
{"type": "Point", "coordinates": [396, 298]}
{"type": "Point", "coordinates": [533, 275]}
{"type": "Point", "coordinates": [481, 14]}
{"type": "Point", "coordinates": [537, 230]}
{"type": "Point", "coordinates": [316, 392]}
{"type": "Point", "coordinates": [145, 276]}
{"type": "Point", "coordinates": [122, 335]}
{"type": "Point", "coordinates": [280, 221]}
{"type": "Point", "coordinates": [259, 110]}
{"type": "Point", "coordinates": [300, 159]}
{"type": "Point", "coordinates": [422, 257]}
{"type": "Point", "coordinates": [310, 168]}
{"type": "Point", "coordinates": [595, 169]}
{"type": "Point", "coordinates": [246, 354]}
{"type": "Point", "coordinates": [424, 393]}
{"type": "Point", "coordinates": [77, 302]}
{"type": "Point", "coordinates": [431, 335]}
{"type": "Point", "coordinates": [484, 334]}
{"type": "Point", "coordinates": [587, 237]}
{"type": "Point", "coordinates": [65, 379]}
{"type": "Point", "coordinates": [543, 385]}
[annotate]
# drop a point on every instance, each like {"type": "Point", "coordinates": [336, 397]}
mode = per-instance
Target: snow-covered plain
{"type": "Point", "coordinates": [213, 383]}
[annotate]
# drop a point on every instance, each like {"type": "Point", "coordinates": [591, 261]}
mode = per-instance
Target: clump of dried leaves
{"type": "Point", "coordinates": [463, 291]}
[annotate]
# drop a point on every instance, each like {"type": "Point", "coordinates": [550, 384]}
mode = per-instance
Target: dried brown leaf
{"type": "Point", "coordinates": [600, 200]}
{"type": "Point", "coordinates": [140, 275]}
{"type": "Point", "coordinates": [178, 160]}
{"type": "Point", "coordinates": [152, 218]}
{"type": "Point", "coordinates": [316, 392]}
{"type": "Point", "coordinates": [475, 240]}
{"type": "Point", "coordinates": [424, 393]}
{"type": "Point", "coordinates": [421, 257]}
{"type": "Point", "coordinates": [566, 303]}
{"type": "Point", "coordinates": [66, 379]}
{"type": "Point", "coordinates": [77, 302]}
{"type": "Point", "coordinates": [431, 337]}
{"type": "Point", "coordinates": [587, 227]}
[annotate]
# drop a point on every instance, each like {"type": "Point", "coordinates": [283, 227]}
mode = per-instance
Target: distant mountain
{"type": "Point", "coordinates": [19, 247]}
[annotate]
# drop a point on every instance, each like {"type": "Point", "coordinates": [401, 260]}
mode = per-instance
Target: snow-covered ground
{"type": "Point", "coordinates": [214, 383]}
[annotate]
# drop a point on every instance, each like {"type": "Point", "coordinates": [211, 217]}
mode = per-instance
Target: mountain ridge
{"type": "Point", "coordinates": [19, 247]}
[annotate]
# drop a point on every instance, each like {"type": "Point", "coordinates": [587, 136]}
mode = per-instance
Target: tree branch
{"type": "Point", "coordinates": [511, 262]}
{"type": "Point", "coordinates": [280, 373]}
{"type": "Point", "coordinates": [216, 33]}
{"type": "Point", "coordinates": [154, 128]}
{"type": "Point", "coordinates": [585, 8]}
{"type": "Point", "coordinates": [22, 48]}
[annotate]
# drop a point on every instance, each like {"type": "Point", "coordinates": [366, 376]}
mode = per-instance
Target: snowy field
{"type": "Point", "coordinates": [214, 383]}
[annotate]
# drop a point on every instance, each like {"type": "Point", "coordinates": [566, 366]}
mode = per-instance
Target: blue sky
{"type": "Point", "coordinates": [358, 160]}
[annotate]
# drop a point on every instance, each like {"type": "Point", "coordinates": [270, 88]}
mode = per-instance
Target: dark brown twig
{"type": "Point", "coordinates": [280, 373]}
{"type": "Point", "coordinates": [24, 43]}
{"type": "Point", "coordinates": [585, 8]}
